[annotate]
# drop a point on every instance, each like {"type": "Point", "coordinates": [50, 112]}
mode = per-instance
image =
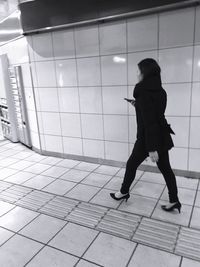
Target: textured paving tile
{"type": "Point", "coordinates": [87, 214]}
{"type": "Point", "coordinates": [4, 185]}
{"type": "Point", "coordinates": [157, 234]}
{"type": "Point", "coordinates": [119, 223]}
{"type": "Point", "coordinates": [188, 243]}
{"type": "Point", "coordinates": [34, 200]}
{"type": "Point", "coordinates": [59, 207]}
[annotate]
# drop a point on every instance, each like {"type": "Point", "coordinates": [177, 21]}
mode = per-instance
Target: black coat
{"type": "Point", "coordinates": [150, 105]}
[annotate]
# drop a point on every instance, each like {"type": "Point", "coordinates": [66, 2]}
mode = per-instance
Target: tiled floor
{"type": "Point", "coordinates": [58, 212]}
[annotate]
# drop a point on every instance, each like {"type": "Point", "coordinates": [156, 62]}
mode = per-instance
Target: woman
{"type": "Point", "coordinates": [153, 132]}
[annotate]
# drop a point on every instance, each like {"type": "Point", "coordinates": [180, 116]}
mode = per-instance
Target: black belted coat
{"type": "Point", "coordinates": [150, 105]}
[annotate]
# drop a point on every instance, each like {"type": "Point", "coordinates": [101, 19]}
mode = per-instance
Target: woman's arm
{"type": "Point", "coordinates": [152, 128]}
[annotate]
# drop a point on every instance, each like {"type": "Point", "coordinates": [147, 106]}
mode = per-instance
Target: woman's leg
{"type": "Point", "coordinates": [137, 156]}
{"type": "Point", "coordinates": [170, 179]}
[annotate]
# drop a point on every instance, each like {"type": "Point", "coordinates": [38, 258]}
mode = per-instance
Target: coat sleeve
{"type": "Point", "coordinates": [151, 126]}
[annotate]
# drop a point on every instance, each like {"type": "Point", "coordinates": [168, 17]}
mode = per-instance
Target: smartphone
{"type": "Point", "coordinates": [129, 100]}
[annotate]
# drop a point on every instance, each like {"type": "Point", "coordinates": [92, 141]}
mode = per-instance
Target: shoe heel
{"type": "Point", "coordinates": [127, 197]}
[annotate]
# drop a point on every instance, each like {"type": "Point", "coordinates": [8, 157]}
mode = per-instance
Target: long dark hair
{"type": "Point", "coordinates": [149, 67]}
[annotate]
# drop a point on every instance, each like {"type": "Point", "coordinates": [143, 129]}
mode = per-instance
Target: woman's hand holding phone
{"type": "Point", "coordinates": [132, 101]}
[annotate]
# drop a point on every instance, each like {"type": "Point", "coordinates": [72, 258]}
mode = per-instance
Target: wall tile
{"type": "Point", "coordinates": [196, 71]}
{"type": "Point", "coordinates": [66, 72]}
{"type": "Point", "coordinates": [46, 76]}
{"type": "Point", "coordinates": [42, 47]}
{"type": "Point", "coordinates": [92, 126]}
{"type": "Point", "coordinates": [143, 33]}
{"type": "Point", "coordinates": [90, 99]}
{"type": "Point", "coordinates": [88, 71]}
{"type": "Point", "coordinates": [178, 99]}
{"type": "Point", "coordinates": [48, 99]}
{"type": "Point", "coordinates": [194, 132]}
{"type": "Point", "coordinates": [30, 102]}
{"type": "Point", "coordinates": [71, 125]}
{"type": "Point", "coordinates": [68, 99]}
{"type": "Point", "coordinates": [131, 108]}
{"type": "Point", "coordinates": [197, 32]}
{"type": "Point", "coordinates": [51, 123]}
{"type": "Point", "coordinates": [87, 41]}
{"type": "Point", "coordinates": [178, 158]}
{"type": "Point", "coordinates": [116, 151]}
{"type": "Point", "coordinates": [176, 28]}
{"type": "Point", "coordinates": [180, 125]}
{"type": "Point", "coordinates": [116, 128]}
{"type": "Point", "coordinates": [133, 60]}
{"type": "Point", "coordinates": [63, 44]}
{"type": "Point", "coordinates": [176, 64]}
{"type": "Point", "coordinates": [132, 129]}
{"type": "Point", "coordinates": [93, 148]}
{"type": "Point", "coordinates": [34, 74]}
{"type": "Point", "coordinates": [112, 38]}
{"type": "Point", "coordinates": [194, 156]}
{"type": "Point", "coordinates": [29, 41]}
{"type": "Point", "coordinates": [26, 75]}
{"type": "Point", "coordinates": [72, 146]}
{"type": "Point", "coordinates": [32, 120]}
{"type": "Point", "coordinates": [53, 143]}
{"type": "Point", "coordinates": [195, 99]}
{"type": "Point", "coordinates": [113, 100]}
{"type": "Point", "coordinates": [114, 70]}
{"type": "Point", "coordinates": [35, 140]}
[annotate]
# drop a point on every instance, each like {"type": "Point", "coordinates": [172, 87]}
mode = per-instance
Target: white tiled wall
{"type": "Point", "coordinates": [81, 76]}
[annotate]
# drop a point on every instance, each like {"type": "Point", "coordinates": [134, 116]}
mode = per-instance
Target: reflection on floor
{"type": "Point", "coordinates": [58, 212]}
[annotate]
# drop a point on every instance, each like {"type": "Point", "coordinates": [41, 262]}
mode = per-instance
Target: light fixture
{"type": "Point", "coordinates": [118, 59]}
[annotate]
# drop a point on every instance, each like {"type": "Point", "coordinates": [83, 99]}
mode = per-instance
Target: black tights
{"type": "Point", "coordinates": [137, 156]}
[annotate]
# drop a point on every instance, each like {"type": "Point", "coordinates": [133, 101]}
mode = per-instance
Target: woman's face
{"type": "Point", "coordinates": [139, 75]}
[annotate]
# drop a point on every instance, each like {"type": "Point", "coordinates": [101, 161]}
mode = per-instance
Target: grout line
{"type": "Point", "coordinates": [132, 254]}
{"type": "Point", "coordinates": [193, 206]}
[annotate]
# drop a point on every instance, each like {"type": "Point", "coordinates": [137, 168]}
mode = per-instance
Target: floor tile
{"type": "Point", "coordinates": [139, 205]}
{"type": "Point", "coordinates": [86, 166]}
{"type": "Point", "coordinates": [186, 196]}
{"type": "Point", "coordinates": [187, 182]}
{"type": "Point", "coordinates": [68, 163]}
{"type": "Point", "coordinates": [51, 160]}
{"type": "Point", "coordinates": [173, 217]}
{"type": "Point", "coordinates": [195, 222]}
{"type": "Point", "coordinates": [146, 256]}
{"type": "Point", "coordinates": [4, 236]}
{"type": "Point", "coordinates": [83, 263]}
{"type": "Point", "coordinates": [105, 169]}
{"type": "Point", "coordinates": [39, 181]}
{"type": "Point", "coordinates": [23, 155]}
{"type": "Point", "coordinates": [74, 239]}
{"type": "Point", "coordinates": [17, 251]}
{"type": "Point", "coordinates": [17, 218]}
{"type": "Point", "coordinates": [74, 175]}
{"type": "Point", "coordinates": [103, 198]}
{"type": "Point", "coordinates": [36, 157]}
{"type": "Point", "coordinates": [52, 258]}
{"type": "Point", "coordinates": [59, 187]}
{"type": "Point", "coordinates": [96, 179]}
{"type": "Point", "coordinates": [43, 228]}
{"type": "Point", "coordinates": [82, 192]}
{"type": "Point", "coordinates": [110, 251]}
{"type": "Point", "coordinates": [191, 263]}
{"type": "Point", "coordinates": [37, 168]}
{"type": "Point", "coordinates": [6, 172]}
{"type": "Point", "coordinates": [8, 161]}
{"type": "Point", "coordinates": [153, 177]}
{"type": "Point", "coordinates": [19, 177]}
{"type": "Point", "coordinates": [55, 171]}
{"type": "Point", "coordinates": [5, 207]}
{"type": "Point", "coordinates": [147, 189]}
{"type": "Point", "coordinates": [21, 165]}
{"type": "Point", "coordinates": [116, 182]}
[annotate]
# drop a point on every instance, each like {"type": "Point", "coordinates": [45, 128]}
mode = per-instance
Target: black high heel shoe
{"type": "Point", "coordinates": [176, 205]}
{"type": "Point", "coordinates": [124, 197]}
